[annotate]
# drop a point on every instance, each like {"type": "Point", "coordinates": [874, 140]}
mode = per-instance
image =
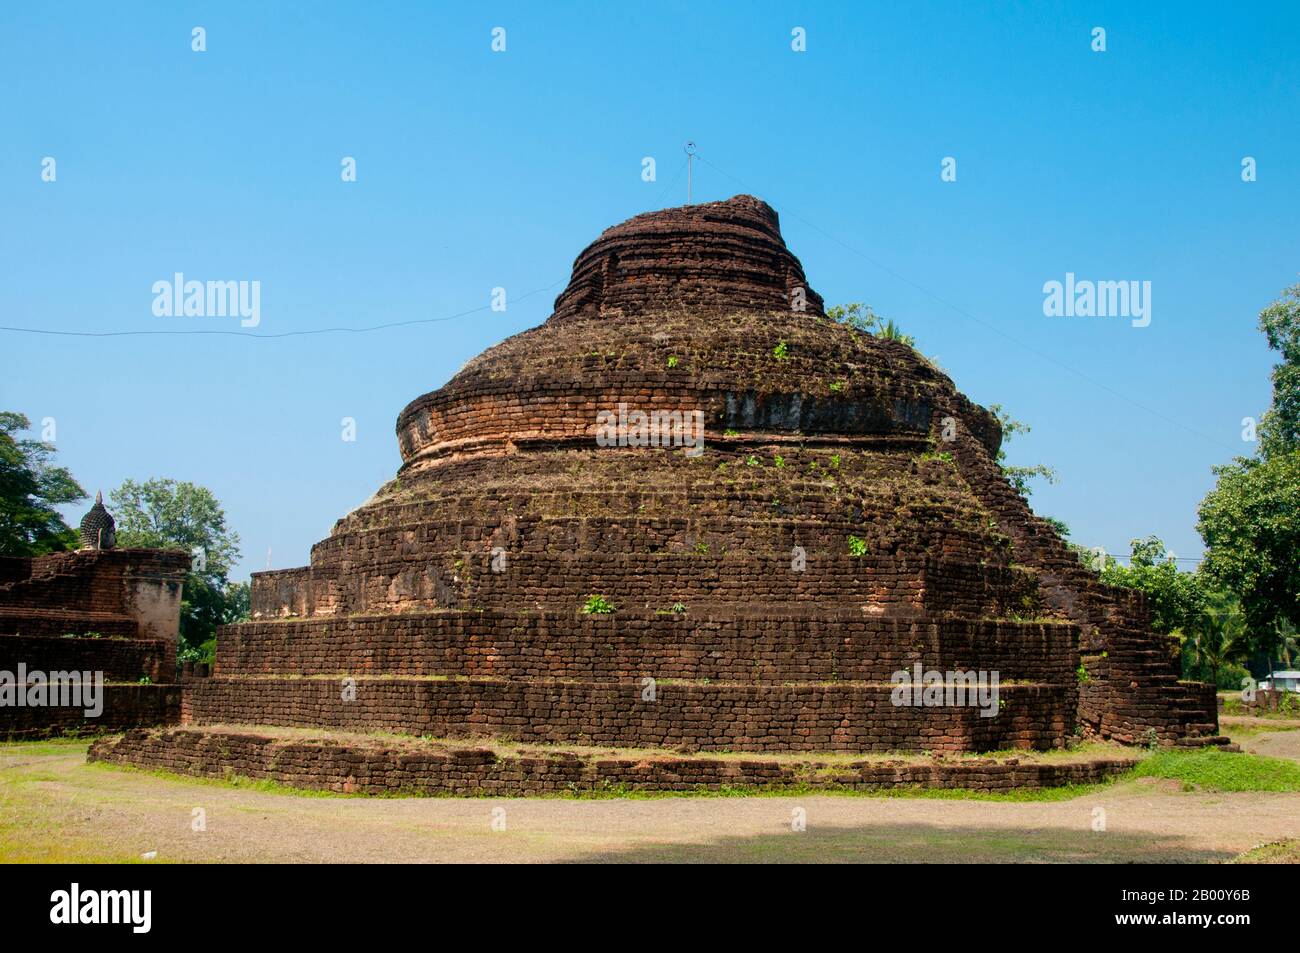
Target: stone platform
{"type": "Point", "coordinates": [372, 764]}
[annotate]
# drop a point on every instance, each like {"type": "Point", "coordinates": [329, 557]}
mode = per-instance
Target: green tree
{"type": "Point", "coordinates": [1019, 477]}
{"type": "Point", "coordinates": [1250, 523]}
{"type": "Point", "coordinates": [856, 315]}
{"type": "Point", "coordinates": [238, 603]}
{"type": "Point", "coordinates": [1176, 600]}
{"type": "Point", "coordinates": [1219, 637]}
{"type": "Point", "coordinates": [30, 489]}
{"type": "Point", "coordinates": [169, 514]}
{"type": "Point", "coordinates": [1280, 428]}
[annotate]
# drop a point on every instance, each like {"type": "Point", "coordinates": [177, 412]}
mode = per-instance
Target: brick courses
{"type": "Point", "coordinates": [698, 716]}
{"type": "Point", "coordinates": [351, 767]}
{"type": "Point", "coordinates": [110, 611]}
{"type": "Point", "coordinates": [506, 515]}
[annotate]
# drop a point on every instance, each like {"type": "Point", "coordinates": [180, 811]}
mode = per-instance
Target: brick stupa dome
{"type": "Point", "coordinates": [846, 521]}
{"type": "Point", "coordinates": [727, 255]}
{"type": "Point", "coordinates": [97, 529]}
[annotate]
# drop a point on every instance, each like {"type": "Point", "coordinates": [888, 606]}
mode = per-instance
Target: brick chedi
{"type": "Point", "coordinates": [96, 616]}
{"type": "Point", "coordinates": [845, 521]}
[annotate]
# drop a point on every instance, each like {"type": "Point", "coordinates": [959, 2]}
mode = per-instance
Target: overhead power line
{"type": "Point", "coordinates": [268, 337]}
{"type": "Point", "coordinates": [692, 155]}
{"type": "Point", "coordinates": [966, 314]}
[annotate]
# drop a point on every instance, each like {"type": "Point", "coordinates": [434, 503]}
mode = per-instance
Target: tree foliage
{"type": "Point", "coordinates": [1280, 322]}
{"type": "Point", "coordinates": [1208, 621]}
{"type": "Point", "coordinates": [1018, 477]}
{"type": "Point", "coordinates": [1220, 637]}
{"type": "Point", "coordinates": [862, 317]}
{"type": "Point", "coordinates": [1175, 599]}
{"type": "Point", "coordinates": [168, 514]}
{"type": "Point", "coordinates": [1250, 521]}
{"type": "Point", "coordinates": [31, 486]}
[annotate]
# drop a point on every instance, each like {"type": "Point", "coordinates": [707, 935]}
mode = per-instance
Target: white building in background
{"type": "Point", "coordinates": [1284, 681]}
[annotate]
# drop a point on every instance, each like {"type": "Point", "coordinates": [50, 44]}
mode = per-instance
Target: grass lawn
{"type": "Point", "coordinates": [1214, 770]}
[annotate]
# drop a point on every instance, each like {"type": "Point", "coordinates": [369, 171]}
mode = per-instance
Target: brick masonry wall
{"type": "Point", "coordinates": [125, 706]}
{"type": "Point", "coordinates": [698, 717]}
{"type": "Point", "coordinates": [369, 769]}
{"type": "Point", "coordinates": [814, 433]}
{"type": "Point", "coordinates": [90, 580]}
{"type": "Point", "coordinates": [1133, 692]}
{"type": "Point", "coordinates": [55, 623]}
{"type": "Point", "coordinates": [121, 660]}
{"type": "Point", "coordinates": [564, 578]}
{"type": "Point", "coordinates": [130, 597]}
{"type": "Point", "coordinates": [720, 647]}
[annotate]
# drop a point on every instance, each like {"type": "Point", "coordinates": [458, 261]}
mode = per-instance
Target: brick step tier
{"type": "Point", "coordinates": [564, 580]}
{"type": "Point", "coordinates": [1135, 710]}
{"type": "Point", "coordinates": [632, 517]}
{"type": "Point", "coordinates": [359, 764]}
{"type": "Point", "coordinates": [119, 659]}
{"type": "Point", "coordinates": [59, 622]}
{"type": "Point", "coordinates": [124, 706]}
{"type": "Point", "coordinates": [1132, 693]}
{"type": "Point", "coordinates": [723, 644]}
{"type": "Point", "coordinates": [694, 716]}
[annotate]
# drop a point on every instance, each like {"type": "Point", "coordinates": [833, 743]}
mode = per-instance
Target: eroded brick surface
{"type": "Point", "coordinates": [353, 768]}
{"type": "Point", "coordinates": [846, 520]}
{"type": "Point", "coordinates": [112, 612]}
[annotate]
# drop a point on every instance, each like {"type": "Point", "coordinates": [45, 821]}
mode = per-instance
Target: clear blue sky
{"type": "Point", "coordinates": [478, 170]}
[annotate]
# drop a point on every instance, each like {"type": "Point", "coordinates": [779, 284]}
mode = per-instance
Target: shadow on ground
{"type": "Point", "coordinates": [920, 843]}
{"type": "Point", "coordinates": [54, 807]}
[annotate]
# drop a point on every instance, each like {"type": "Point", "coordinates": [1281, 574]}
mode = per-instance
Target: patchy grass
{"type": "Point", "coordinates": [230, 780]}
{"type": "Point", "coordinates": [1063, 793]}
{"type": "Point", "coordinates": [1278, 852]}
{"type": "Point", "coordinates": [1216, 770]}
{"type": "Point", "coordinates": [54, 807]}
{"type": "Point", "coordinates": [1236, 728]}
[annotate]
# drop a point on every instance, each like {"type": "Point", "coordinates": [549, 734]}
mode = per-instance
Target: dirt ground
{"type": "Point", "coordinates": [56, 807]}
{"type": "Point", "coordinates": [1274, 744]}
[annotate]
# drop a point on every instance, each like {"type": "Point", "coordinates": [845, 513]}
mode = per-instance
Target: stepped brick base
{"type": "Point", "coordinates": [120, 659]}
{"type": "Point", "coordinates": [366, 766]}
{"type": "Point", "coordinates": [125, 706]}
{"type": "Point", "coordinates": [697, 717]}
{"type": "Point", "coordinates": [816, 511]}
{"type": "Point", "coordinates": [722, 645]}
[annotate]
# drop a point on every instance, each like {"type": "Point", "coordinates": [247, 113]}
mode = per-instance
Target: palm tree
{"type": "Point", "coordinates": [1288, 643]}
{"type": "Point", "coordinates": [890, 331]}
{"type": "Point", "coordinates": [1219, 636]}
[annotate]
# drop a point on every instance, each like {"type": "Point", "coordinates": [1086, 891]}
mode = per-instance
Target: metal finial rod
{"type": "Point", "coordinates": [689, 148]}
